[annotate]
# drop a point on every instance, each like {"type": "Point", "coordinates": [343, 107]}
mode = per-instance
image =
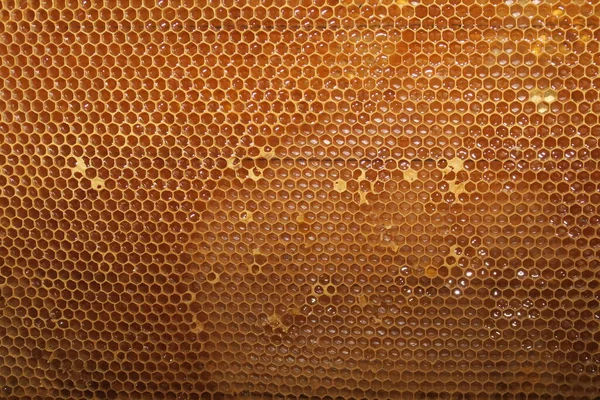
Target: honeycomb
{"type": "Point", "coordinates": [316, 199]}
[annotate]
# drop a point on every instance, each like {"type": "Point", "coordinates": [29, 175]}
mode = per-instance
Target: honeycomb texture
{"type": "Point", "coordinates": [347, 199]}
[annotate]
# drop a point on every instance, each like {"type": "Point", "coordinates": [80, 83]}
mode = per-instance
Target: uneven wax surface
{"type": "Point", "coordinates": [285, 198]}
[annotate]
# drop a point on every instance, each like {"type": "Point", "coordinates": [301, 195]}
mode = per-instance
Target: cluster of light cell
{"type": "Point", "coordinates": [349, 199]}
